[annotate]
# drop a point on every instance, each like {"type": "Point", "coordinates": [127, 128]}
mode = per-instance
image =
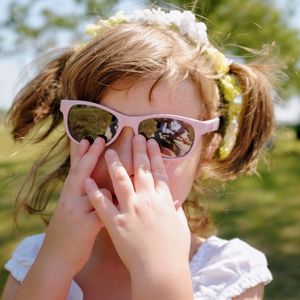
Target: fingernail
{"type": "Point", "coordinates": [140, 138]}
{"type": "Point", "coordinates": [152, 142]}
{"type": "Point", "coordinates": [98, 140]}
{"type": "Point", "coordinates": [81, 143]}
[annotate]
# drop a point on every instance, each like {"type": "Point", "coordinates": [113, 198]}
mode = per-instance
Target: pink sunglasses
{"type": "Point", "coordinates": [176, 135]}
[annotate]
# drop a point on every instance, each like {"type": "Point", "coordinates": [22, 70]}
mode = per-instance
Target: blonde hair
{"type": "Point", "coordinates": [138, 51]}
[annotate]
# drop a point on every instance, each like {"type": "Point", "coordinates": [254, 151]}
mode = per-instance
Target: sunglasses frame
{"type": "Point", "coordinates": [200, 127]}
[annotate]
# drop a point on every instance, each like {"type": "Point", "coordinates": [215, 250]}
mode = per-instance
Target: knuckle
{"type": "Point", "coordinates": [141, 208]}
{"type": "Point", "coordinates": [97, 197]}
{"type": "Point", "coordinates": [120, 174]}
{"type": "Point", "coordinates": [143, 168]}
{"type": "Point", "coordinates": [121, 221]}
{"type": "Point", "coordinates": [159, 171]}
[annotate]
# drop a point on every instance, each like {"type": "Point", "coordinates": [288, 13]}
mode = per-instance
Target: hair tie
{"type": "Point", "coordinates": [231, 94]}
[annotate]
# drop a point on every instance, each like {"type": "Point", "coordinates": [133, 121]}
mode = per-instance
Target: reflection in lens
{"type": "Point", "coordinates": [90, 122]}
{"type": "Point", "coordinates": [175, 137]}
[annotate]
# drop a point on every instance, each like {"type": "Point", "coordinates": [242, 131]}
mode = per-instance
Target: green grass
{"type": "Point", "coordinates": [264, 211]}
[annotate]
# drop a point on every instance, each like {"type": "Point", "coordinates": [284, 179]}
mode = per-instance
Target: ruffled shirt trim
{"type": "Point", "coordinates": [224, 269]}
{"type": "Point", "coordinates": [220, 269]}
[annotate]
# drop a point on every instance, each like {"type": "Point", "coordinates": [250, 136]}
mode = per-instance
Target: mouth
{"type": "Point", "coordinates": [115, 200]}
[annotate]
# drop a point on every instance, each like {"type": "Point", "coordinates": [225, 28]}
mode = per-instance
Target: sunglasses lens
{"type": "Point", "coordinates": [175, 137]}
{"type": "Point", "coordinates": [88, 122]}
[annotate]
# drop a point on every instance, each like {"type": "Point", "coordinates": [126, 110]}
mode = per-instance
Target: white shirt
{"type": "Point", "coordinates": [220, 269]}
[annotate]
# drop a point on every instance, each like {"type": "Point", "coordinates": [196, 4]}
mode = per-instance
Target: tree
{"type": "Point", "coordinates": [250, 23]}
{"type": "Point", "coordinates": [49, 22]}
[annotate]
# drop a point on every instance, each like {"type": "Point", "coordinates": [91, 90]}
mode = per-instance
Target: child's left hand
{"type": "Point", "coordinates": [150, 234]}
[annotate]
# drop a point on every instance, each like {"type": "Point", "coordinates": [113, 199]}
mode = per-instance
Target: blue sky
{"type": "Point", "coordinates": [11, 66]}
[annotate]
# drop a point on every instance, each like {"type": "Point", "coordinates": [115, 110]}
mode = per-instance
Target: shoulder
{"type": "Point", "coordinates": [21, 261]}
{"type": "Point", "coordinates": [223, 269]}
{"type": "Point", "coordinates": [24, 256]}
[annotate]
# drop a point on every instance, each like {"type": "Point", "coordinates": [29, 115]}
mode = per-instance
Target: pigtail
{"type": "Point", "coordinates": [36, 106]}
{"type": "Point", "coordinates": [38, 100]}
{"type": "Point", "coordinates": [256, 119]}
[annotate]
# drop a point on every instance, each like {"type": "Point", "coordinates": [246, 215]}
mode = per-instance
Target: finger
{"type": "Point", "coordinates": [86, 164]}
{"type": "Point", "coordinates": [158, 169]}
{"type": "Point", "coordinates": [79, 151]}
{"type": "Point", "coordinates": [95, 221]}
{"type": "Point", "coordinates": [121, 181]}
{"type": "Point", "coordinates": [143, 179]}
{"type": "Point", "coordinates": [102, 204]}
{"type": "Point", "coordinates": [86, 204]}
{"type": "Point", "coordinates": [89, 207]}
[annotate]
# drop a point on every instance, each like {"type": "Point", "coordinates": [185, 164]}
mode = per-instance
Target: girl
{"type": "Point", "coordinates": [148, 105]}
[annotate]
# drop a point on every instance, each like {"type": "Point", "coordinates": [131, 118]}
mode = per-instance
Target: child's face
{"type": "Point", "coordinates": [183, 100]}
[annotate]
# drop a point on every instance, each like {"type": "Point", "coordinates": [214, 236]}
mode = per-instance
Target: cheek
{"type": "Point", "coordinates": [100, 173]}
{"type": "Point", "coordinates": [73, 150]}
{"type": "Point", "coordinates": [181, 177]}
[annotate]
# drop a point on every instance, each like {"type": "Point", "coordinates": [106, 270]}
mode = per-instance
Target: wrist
{"type": "Point", "coordinates": [56, 265]}
{"type": "Point", "coordinates": [153, 266]}
{"type": "Point", "coordinates": [163, 283]}
{"type": "Point", "coordinates": [45, 280]}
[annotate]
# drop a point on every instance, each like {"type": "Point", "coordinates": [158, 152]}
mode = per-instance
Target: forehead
{"type": "Point", "coordinates": [133, 98]}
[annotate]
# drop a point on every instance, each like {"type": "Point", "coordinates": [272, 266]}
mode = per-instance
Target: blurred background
{"type": "Point", "coordinates": [263, 210]}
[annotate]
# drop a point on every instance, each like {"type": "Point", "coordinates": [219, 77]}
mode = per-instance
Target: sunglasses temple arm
{"type": "Point", "coordinates": [213, 125]}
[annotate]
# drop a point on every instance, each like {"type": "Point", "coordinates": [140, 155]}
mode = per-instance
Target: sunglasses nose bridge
{"type": "Point", "coordinates": [132, 122]}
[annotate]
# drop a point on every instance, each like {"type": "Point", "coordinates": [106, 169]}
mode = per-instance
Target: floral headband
{"type": "Point", "coordinates": [186, 24]}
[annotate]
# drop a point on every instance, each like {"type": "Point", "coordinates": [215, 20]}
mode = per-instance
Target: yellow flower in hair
{"type": "Point", "coordinates": [232, 95]}
{"type": "Point", "coordinates": [116, 19]}
{"type": "Point", "coordinates": [220, 62]}
{"type": "Point", "coordinates": [93, 29]}
{"type": "Point", "coordinates": [230, 87]}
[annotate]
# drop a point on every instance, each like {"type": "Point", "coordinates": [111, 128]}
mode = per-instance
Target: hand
{"type": "Point", "coordinates": [74, 225]}
{"type": "Point", "coordinates": [148, 232]}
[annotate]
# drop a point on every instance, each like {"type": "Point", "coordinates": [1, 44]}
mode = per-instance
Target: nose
{"type": "Point", "coordinates": [123, 146]}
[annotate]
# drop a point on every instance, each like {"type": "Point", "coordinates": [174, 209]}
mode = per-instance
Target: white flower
{"type": "Point", "coordinates": [144, 16]}
{"type": "Point", "coordinates": [201, 33]}
{"type": "Point", "coordinates": [189, 16]}
{"type": "Point", "coordinates": [174, 17]}
{"type": "Point", "coordinates": [187, 22]}
{"type": "Point", "coordinates": [193, 33]}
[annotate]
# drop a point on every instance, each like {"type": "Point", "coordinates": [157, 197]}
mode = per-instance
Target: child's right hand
{"type": "Point", "coordinates": [74, 225]}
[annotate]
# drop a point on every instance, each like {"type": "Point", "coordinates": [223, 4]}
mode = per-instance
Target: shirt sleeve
{"type": "Point", "coordinates": [226, 269]}
{"type": "Point", "coordinates": [23, 256]}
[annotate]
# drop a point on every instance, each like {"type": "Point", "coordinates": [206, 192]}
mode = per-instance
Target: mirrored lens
{"type": "Point", "coordinates": [175, 137]}
{"type": "Point", "coordinates": [90, 122]}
